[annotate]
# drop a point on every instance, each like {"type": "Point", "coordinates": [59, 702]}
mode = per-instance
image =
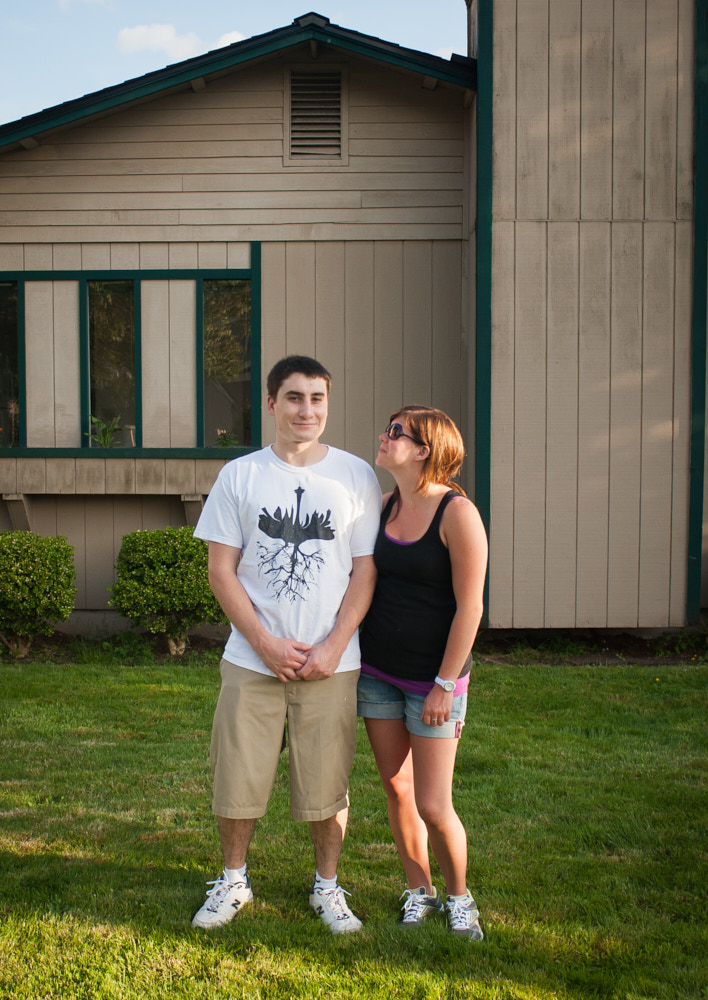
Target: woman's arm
{"type": "Point", "coordinates": [463, 533]}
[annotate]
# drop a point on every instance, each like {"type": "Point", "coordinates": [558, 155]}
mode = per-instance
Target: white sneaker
{"type": "Point", "coordinates": [463, 915]}
{"type": "Point", "coordinates": [223, 902]}
{"type": "Point", "coordinates": [418, 906]}
{"type": "Point", "coordinates": [331, 905]}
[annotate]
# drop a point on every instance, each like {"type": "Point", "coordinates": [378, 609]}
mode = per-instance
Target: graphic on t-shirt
{"type": "Point", "coordinates": [291, 571]}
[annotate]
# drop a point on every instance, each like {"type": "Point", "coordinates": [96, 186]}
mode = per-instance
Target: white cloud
{"type": "Point", "coordinates": [159, 38]}
{"type": "Point", "coordinates": [229, 39]}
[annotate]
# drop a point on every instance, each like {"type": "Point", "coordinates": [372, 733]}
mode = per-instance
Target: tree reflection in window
{"type": "Point", "coordinates": [227, 362]}
{"type": "Point", "coordinates": [9, 367]}
{"type": "Point", "coordinates": [112, 358]}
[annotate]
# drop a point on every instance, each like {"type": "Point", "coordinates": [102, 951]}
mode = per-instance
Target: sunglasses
{"type": "Point", "coordinates": [395, 431]}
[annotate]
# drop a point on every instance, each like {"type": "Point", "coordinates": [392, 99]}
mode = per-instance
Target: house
{"type": "Point", "coordinates": [507, 235]}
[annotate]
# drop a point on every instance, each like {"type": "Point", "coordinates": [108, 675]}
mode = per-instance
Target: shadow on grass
{"type": "Point", "coordinates": [280, 936]}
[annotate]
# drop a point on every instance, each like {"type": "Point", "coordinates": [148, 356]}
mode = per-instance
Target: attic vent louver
{"type": "Point", "coordinates": [315, 114]}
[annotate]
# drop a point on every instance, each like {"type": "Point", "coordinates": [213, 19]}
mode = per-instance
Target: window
{"type": "Point", "coordinates": [111, 312]}
{"type": "Point", "coordinates": [317, 122]}
{"type": "Point", "coordinates": [227, 362]}
{"type": "Point", "coordinates": [9, 367]}
{"type": "Point", "coordinates": [157, 363]}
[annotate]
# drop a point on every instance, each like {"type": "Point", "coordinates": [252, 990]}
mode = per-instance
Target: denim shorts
{"type": "Point", "coordinates": [378, 700]}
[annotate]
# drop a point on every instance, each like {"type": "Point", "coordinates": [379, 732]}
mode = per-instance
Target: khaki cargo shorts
{"type": "Point", "coordinates": [247, 738]}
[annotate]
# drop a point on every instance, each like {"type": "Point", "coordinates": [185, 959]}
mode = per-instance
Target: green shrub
{"type": "Point", "coordinates": [36, 587]}
{"type": "Point", "coordinates": [162, 584]}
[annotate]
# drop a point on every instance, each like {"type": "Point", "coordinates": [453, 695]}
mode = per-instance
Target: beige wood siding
{"type": "Point", "coordinates": [52, 364]}
{"type": "Point", "coordinates": [195, 167]}
{"type": "Point", "coordinates": [95, 526]}
{"type": "Point", "coordinates": [351, 304]}
{"type": "Point", "coordinates": [591, 306]}
{"type": "Point", "coordinates": [169, 364]}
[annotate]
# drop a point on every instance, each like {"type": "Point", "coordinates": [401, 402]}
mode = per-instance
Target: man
{"type": "Point", "coordinates": [291, 531]}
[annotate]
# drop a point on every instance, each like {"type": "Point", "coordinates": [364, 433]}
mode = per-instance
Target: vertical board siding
{"type": "Point", "coordinates": [417, 320]}
{"type": "Point", "coordinates": [388, 334]}
{"type": "Point", "coordinates": [449, 362]}
{"type": "Point", "coordinates": [596, 109]}
{"type": "Point", "coordinates": [564, 109]}
{"type": "Point", "coordinates": [183, 364]}
{"type": "Point", "coordinates": [155, 360]}
{"type": "Point", "coordinates": [67, 389]}
{"type": "Point", "coordinates": [657, 422]}
{"type": "Point", "coordinates": [359, 278]}
{"type": "Point", "coordinates": [561, 473]}
{"type": "Point", "coordinates": [593, 423]}
{"type": "Point", "coordinates": [683, 361]}
{"type": "Point", "coordinates": [627, 321]}
{"type": "Point", "coordinates": [39, 355]}
{"type": "Point", "coordinates": [661, 122]}
{"type": "Point", "coordinates": [532, 109]}
{"type": "Point", "coordinates": [329, 328]}
{"type": "Point", "coordinates": [591, 324]}
{"type": "Point", "coordinates": [353, 305]}
{"type": "Point", "coordinates": [529, 423]}
{"type": "Point", "coordinates": [503, 470]}
{"type": "Point", "coordinates": [629, 111]}
{"type": "Point", "coordinates": [504, 146]}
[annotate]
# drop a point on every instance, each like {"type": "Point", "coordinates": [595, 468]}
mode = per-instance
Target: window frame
{"type": "Point", "coordinates": [198, 275]}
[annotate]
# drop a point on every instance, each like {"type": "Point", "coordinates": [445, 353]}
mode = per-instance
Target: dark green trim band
{"type": "Point", "coordinates": [84, 361]}
{"type": "Point", "coordinates": [700, 291]}
{"type": "Point", "coordinates": [200, 362]}
{"type": "Point", "coordinates": [483, 387]}
{"type": "Point", "coordinates": [138, 361]}
{"type": "Point", "coordinates": [146, 275]}
{"type": "Point", "coordinates": [43, 452]}
{"type": "Point", "coordinates": [256, 355]}
{"type": "Point", "coordinates": [22, 363]}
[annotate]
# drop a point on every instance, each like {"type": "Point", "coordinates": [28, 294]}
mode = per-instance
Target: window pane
{"type": "Point", "coordinates": [227, 362]}
{"type": "Point", "coordinates": [9, 370]}
{"type": "Point", "coordinates": [112, 362]}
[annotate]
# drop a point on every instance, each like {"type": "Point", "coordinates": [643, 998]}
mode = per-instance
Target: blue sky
{"type": "Point", "coordinates": [52, 51]}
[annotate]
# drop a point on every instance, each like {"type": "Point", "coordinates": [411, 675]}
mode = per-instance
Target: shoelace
{"type": "Point", "coordinates": [337, 902]}
{"type": "Point", "coordinates": [462, 911]}
{"type": "Point", "coordinates": [414, 903]}
{"type": "Point", "coordinates": [219, 891]}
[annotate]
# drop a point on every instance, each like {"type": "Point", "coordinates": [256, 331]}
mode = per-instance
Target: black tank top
{"type": "Point", "coordinates": [405, 630]}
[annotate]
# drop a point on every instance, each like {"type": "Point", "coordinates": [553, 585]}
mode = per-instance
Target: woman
{"type": "Point", "coordinates": [416, 641]}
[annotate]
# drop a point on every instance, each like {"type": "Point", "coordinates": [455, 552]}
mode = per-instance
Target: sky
{"type": "Point", "coordinates": [53, 51]}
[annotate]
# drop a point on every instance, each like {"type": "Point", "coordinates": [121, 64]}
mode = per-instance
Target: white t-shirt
{"type": "Point", "coordinates": [298, 530]}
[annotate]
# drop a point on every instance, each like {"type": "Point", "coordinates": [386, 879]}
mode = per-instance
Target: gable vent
{"type": "Point", "coordinates": [315, 114]}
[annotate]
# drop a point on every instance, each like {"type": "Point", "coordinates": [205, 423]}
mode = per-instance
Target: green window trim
{"type": "Point", "coordinates": [198, 275]}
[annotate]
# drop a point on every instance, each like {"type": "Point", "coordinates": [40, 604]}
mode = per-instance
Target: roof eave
{"type": "Point", "coordinates": [460, 71]}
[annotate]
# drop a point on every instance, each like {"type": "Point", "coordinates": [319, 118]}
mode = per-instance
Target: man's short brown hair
{"type": "Point", "coordinates": [295, 364]}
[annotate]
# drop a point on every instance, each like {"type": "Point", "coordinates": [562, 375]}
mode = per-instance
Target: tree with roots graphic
{"type": "Point", "coordinates": [289, 570]}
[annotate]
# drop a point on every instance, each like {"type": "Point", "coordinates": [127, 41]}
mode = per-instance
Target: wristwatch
{"type": "Point", "coordinates": [445, 685]}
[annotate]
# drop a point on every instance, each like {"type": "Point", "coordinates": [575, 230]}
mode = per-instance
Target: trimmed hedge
{"type": "Point", "coordinates": [36, 587]}
{"type": "Point", "coordinates": [162, 584]}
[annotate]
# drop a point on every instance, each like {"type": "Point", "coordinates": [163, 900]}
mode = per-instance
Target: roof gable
{"type": "Point", "coordinates": [313, 28]}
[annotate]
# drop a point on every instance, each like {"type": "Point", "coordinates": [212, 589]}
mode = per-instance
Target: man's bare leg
{"type": "Point", "coordinates": [229, 894]}
{"type": "Point", "coordinates": [236, 837]}
{"type": "Point", "coordinates": [327, 838]}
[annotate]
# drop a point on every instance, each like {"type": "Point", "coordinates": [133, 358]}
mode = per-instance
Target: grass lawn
{"type": "Point", "coordinates": [583, 790]}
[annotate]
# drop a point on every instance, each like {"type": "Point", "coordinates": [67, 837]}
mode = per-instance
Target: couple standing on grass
{"type": "Point", "coordinates": [300, 554]}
